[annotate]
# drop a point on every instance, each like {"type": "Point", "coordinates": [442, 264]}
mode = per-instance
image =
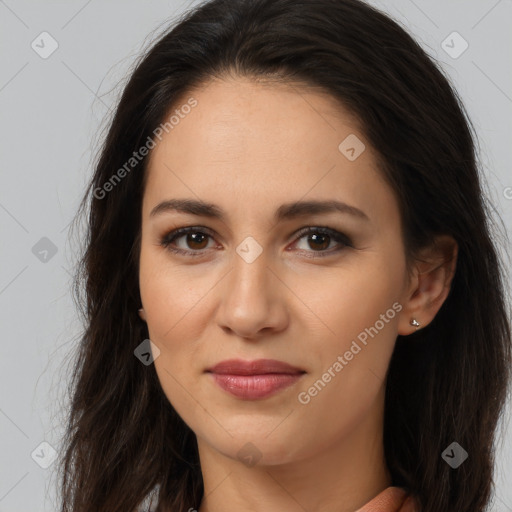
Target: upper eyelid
{"type": "Point", "coordinates": [177, 233]}
{"type": "Point", "coordinates": [203, 229]}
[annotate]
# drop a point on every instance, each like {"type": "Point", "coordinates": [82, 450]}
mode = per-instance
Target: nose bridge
{"type": "Point", "coordinates": [249, 301]}
{"type": "Point", "coordinates": [250, 269]}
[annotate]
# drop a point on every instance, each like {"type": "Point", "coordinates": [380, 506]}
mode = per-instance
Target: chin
{"type": "Point", "coordinates": [261, 448]}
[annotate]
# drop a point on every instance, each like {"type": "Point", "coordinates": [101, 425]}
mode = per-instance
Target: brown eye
{"type": "Point", "coordinates": [319, 239]}
{"type": "Point", "coordinates": [319, 242]}
{"type": "Point", "coordinates": [194, 241]}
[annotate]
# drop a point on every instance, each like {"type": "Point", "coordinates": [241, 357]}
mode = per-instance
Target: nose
{"type": "Point", "coordinates": [252, 299]}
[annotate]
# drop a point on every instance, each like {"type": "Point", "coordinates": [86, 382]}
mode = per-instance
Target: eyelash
{"type": "Point", "coordinates": [336, 236]}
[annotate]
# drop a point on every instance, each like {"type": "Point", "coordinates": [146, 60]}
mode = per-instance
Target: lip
{"type": "Point", "coordinates": [253, 380]}
{"type": "Point", "coordinates": [256, 367]}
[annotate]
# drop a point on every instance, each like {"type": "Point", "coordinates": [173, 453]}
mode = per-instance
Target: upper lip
{"type": "Point", "coordinates": [256, 367]}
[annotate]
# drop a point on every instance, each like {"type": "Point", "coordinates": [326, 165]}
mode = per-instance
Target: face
{"type": "Point", "coordinates": [317, 288]}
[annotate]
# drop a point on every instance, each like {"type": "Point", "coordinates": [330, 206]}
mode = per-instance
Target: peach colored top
{"type": "Point", "coordinates": [392, 499]}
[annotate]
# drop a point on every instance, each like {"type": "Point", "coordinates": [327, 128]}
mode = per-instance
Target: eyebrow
{"type": "Point", "coordinates": [286, 211]}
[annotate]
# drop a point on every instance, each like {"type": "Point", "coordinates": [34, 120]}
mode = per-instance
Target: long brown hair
{"type": "Point", "coordinates": [448, 382]}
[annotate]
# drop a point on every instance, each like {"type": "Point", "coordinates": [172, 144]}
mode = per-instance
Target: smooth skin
{"type": "Point", "coordinates": [249, 147]}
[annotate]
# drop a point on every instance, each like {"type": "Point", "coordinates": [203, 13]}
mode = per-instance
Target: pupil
{"type": "Point", "coordinates": [193, 236]}
{"type": "Point", "coordinates": [315, 237]}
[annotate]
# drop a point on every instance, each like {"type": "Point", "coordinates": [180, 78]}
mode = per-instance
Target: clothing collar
{"type": "Point", "coordinates": [392, 499]}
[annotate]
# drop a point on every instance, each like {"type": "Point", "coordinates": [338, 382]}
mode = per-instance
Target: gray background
{"type": "Point", "coordinates": [52, 112]}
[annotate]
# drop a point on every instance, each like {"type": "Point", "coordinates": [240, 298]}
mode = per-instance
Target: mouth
{"type": "Point", "coordinates": [253, 380]}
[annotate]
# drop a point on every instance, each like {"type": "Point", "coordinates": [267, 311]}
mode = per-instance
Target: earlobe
{"type": "Point", "coordinates": [142, 314]}
{"type": "Point", "coordinates": [434, 273]}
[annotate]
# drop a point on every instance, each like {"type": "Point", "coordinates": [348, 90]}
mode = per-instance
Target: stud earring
{"type": "Point", "coordinates": [415, 323]}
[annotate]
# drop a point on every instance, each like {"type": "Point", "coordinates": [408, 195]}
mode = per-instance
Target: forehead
{"type": "Point", "coordinates": [275, 142]}
{"type": "Point", "coordinates": [237, 118]}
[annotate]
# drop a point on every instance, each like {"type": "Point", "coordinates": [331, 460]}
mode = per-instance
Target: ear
{"type": "Point", "coordinates": [430, 283]}
{"type": "Point", "coordinates": [142, 314]}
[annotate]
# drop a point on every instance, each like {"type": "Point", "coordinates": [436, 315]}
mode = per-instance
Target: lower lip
{"type": "Point", "coordinates": [253, 387]}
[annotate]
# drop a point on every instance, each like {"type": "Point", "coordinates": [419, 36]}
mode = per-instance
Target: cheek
{"type": "Point", "coordinates": [175, 324]}
{"type": "Point", "coordinates": [350, 367]}
{"type": "Point", "coordinates": [352, 298]}
{"type": "Point", "coordinates": [175, 304]}
{"type": "Point", "coordinates": [360, 309]}
{"type": "Point", "coordinates": [171, 294]}
{"type": "Point", "coordinates": [173, 301]}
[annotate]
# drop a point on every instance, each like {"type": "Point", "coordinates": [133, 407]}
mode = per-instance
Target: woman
{"type": "Point", "coordinates": [293, 300]}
